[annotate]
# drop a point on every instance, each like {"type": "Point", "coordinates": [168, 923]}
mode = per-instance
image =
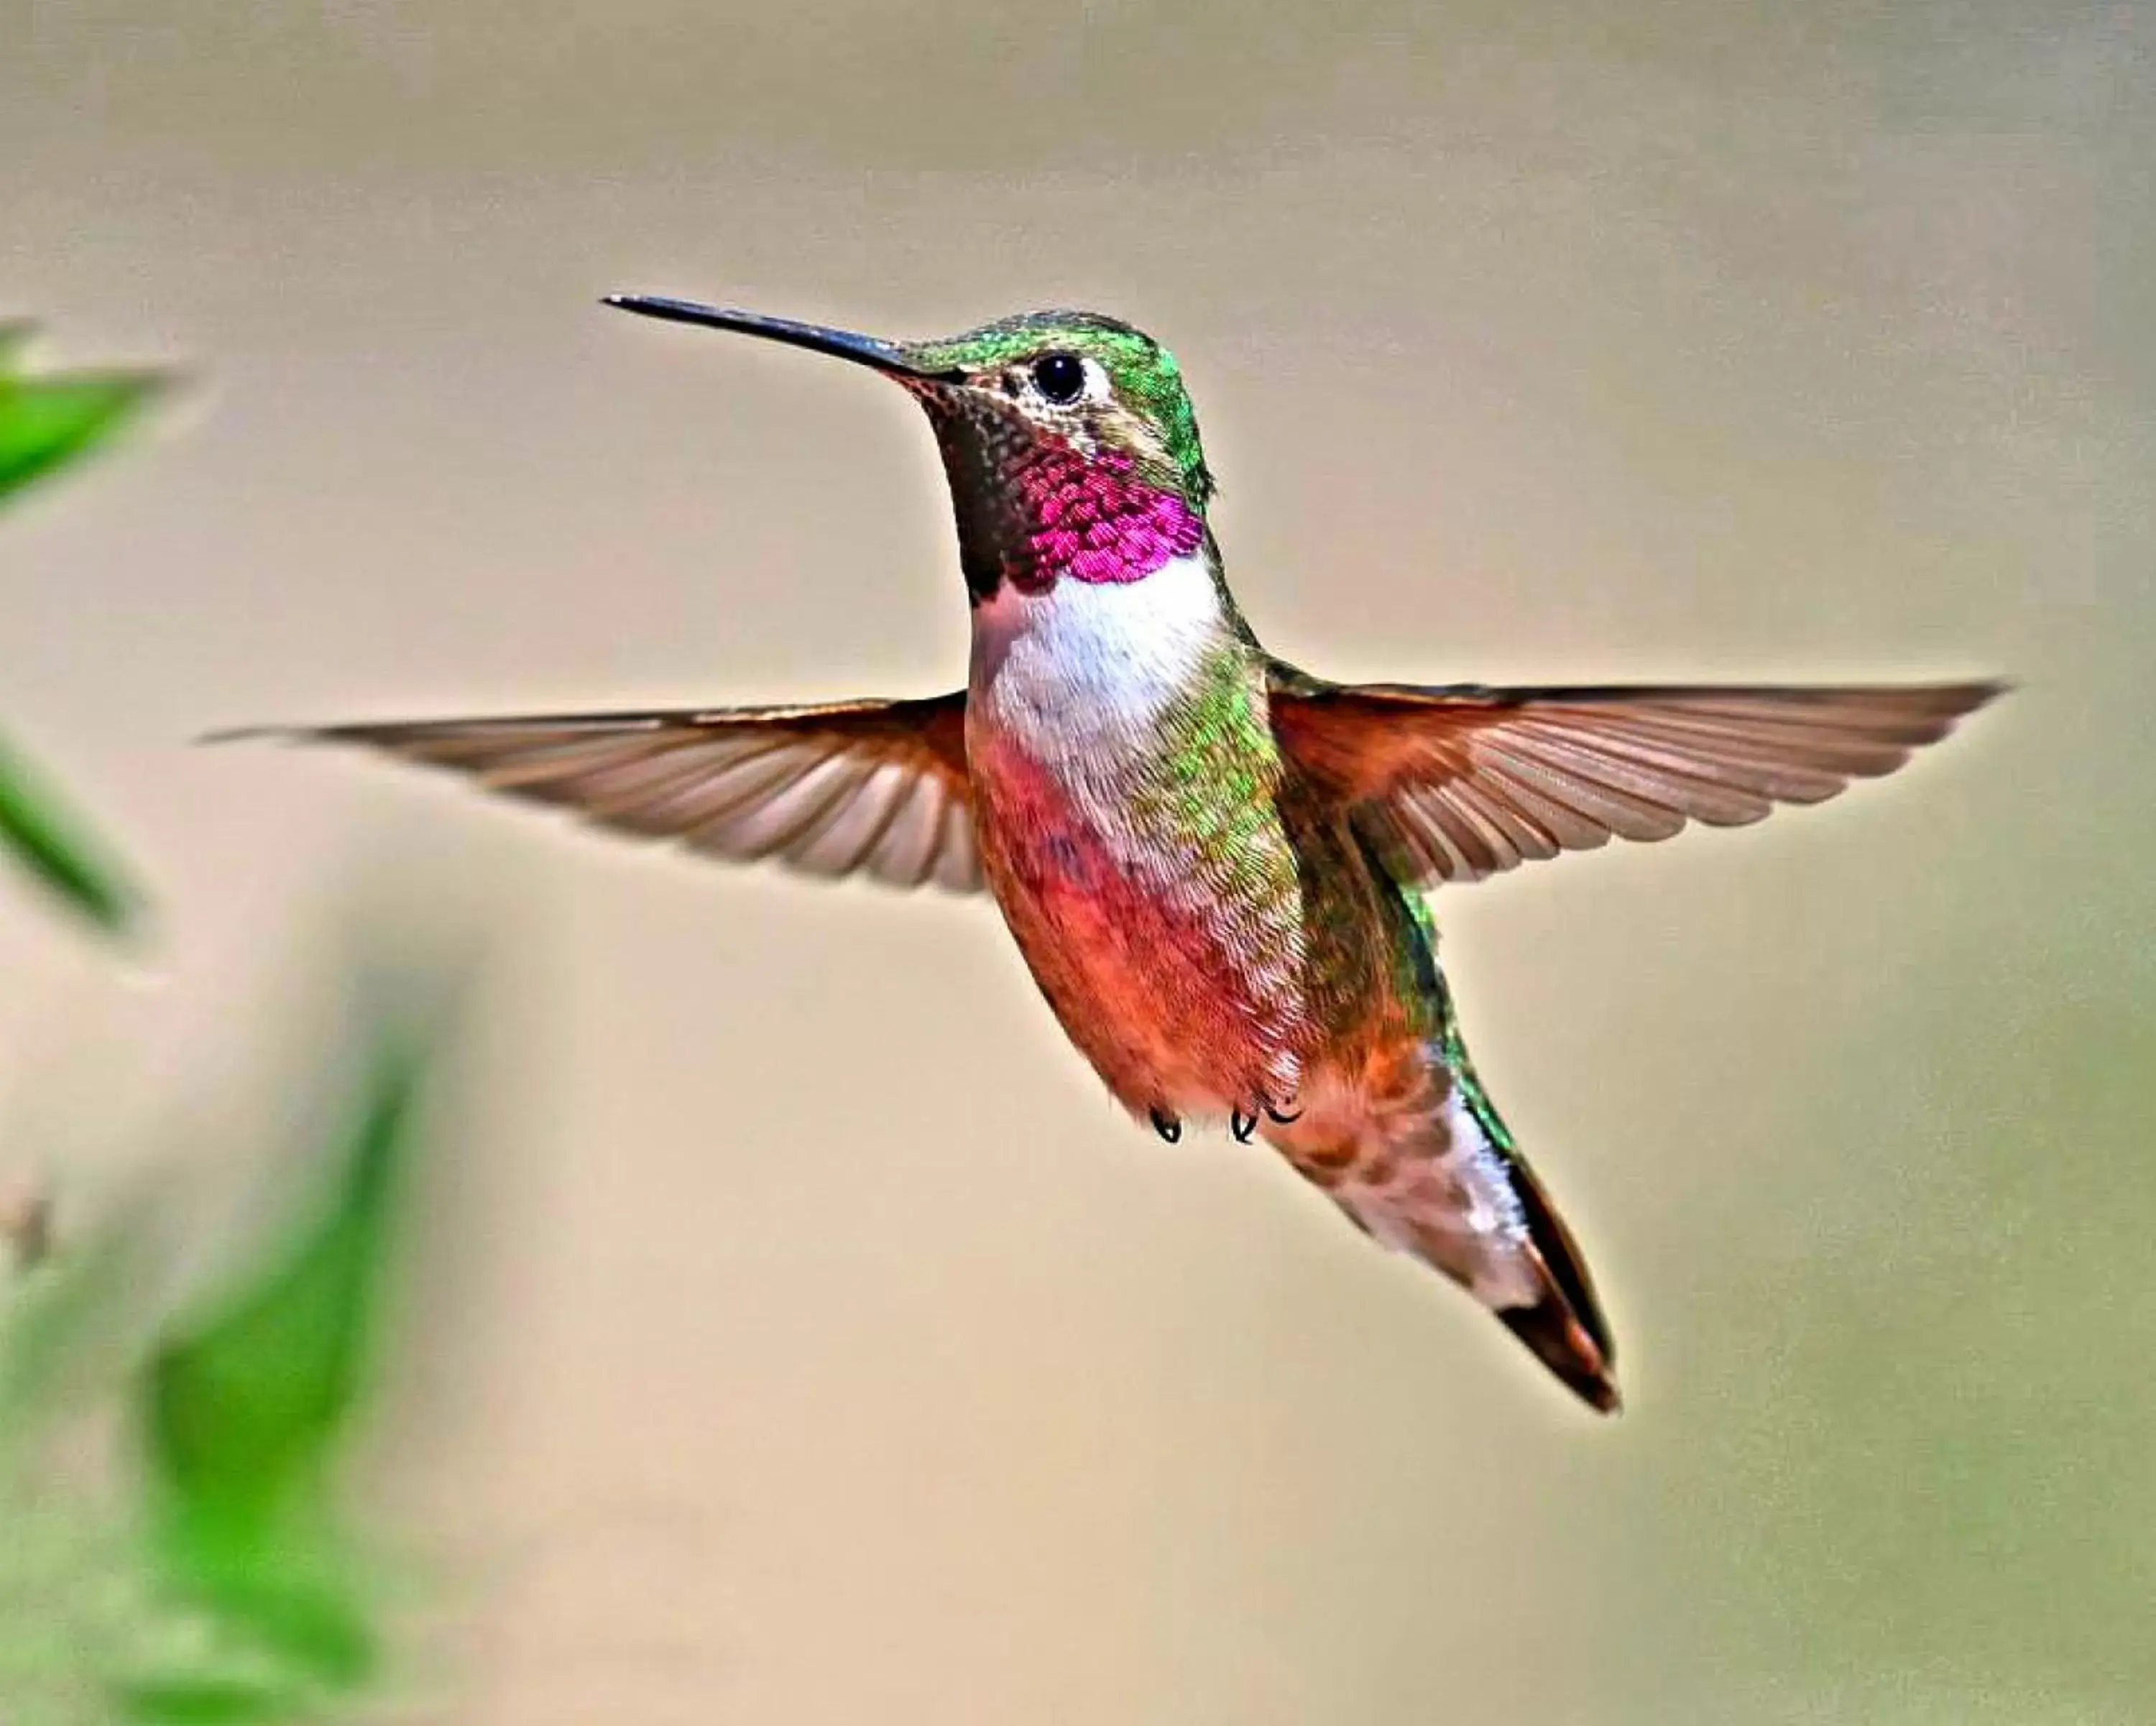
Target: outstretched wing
{"type": "Point", "coordinates": [1456, 783]}
{"type": "Point", "coordinates": [873, 786]}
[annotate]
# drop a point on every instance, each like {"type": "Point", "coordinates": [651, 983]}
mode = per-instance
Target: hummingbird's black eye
{"type": "Point", "coordinates": [1059, 377]}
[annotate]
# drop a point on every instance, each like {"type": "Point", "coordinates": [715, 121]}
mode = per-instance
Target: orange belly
{"type": "Point", "coordinates": [1183, 998]}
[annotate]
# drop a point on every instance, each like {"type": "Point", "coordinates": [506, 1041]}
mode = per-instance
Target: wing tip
{"type": "Point", "coordinates": [251, 734]}
{"type": "Point", "coordinates": [1982, 692]}
{"type": "Point", "coordinates": [298, 735]}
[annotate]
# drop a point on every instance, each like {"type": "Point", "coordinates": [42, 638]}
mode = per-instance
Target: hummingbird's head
{"type": "Point", "coordinates": [1068, 439]}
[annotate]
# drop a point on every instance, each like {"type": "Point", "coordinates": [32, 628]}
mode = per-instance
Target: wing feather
{"type": "Point", "coordinates": [869, 788]}
{"type": "Point", "coordinates": [1456, 783]}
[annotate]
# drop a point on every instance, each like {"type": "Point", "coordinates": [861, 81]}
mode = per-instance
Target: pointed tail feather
{"type": "Point", "coordinates": [1562, 1344]}
{"type": "Point", "coordinates": [1567, 1328]}
{"type": "Point", "coordinates": [1464, 1201]}
{"type": "Point", "coordinates": [1532, 1277]}
{"type": "Point", "coordinates": [1452, 1188]}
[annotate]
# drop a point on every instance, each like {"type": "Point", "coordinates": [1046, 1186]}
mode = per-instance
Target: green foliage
{"type": "Point", "coordinates": [243, 1419]}
{"type": "Point", "coordinates": [242, 1597]}
{"type": "Point", "coordinates": [50, 843]}
{"type": "Point", "coordinates": [232, 1591]}
{"type": "Point", "coordinates": [48, 423]}
{"type": "Point", "coordinates": [45, 424]}
{"type": "Point", "coordinates": [240, 1413]}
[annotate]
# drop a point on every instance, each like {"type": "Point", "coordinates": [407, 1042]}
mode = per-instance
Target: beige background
{"type": "Point", "coordinates": [833, 1351]}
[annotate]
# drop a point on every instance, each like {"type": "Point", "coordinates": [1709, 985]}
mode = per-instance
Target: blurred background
{"type": "Point", "coordinates": [812, 1339]}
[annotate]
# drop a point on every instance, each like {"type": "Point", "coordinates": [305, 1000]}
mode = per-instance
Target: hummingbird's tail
{"type": "Point", "coordinates": [1562, 1321]}
{"type": "Point", "coordinates": [1407, 1143]}
{"type": "Point", "coordinates": [1443, 1183]}
{"type": "Point", "coordinates": [1565, 1327]}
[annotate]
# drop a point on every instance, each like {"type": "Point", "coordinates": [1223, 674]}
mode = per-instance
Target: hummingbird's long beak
{"type": "Point", "coordinates": [868, 351]}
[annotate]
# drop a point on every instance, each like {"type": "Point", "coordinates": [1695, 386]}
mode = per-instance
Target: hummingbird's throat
{"type": "Point", "coordinates": [1033, 511]}
{"type": "Point", "coordinates": [1093, 518]}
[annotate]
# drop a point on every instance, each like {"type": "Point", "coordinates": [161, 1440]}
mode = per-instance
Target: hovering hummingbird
{"type": "Point", "coordinates": [1213, 861]}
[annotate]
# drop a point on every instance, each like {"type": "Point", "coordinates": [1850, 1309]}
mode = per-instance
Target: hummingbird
{"type": "Point", "coordinates": [1214, 863]}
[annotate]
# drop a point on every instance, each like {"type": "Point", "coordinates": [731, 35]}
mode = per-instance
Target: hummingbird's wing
{"type": "Point", "coordinates": [1456, 783]}
{"type": "Point", "coordinates": [873, 786]}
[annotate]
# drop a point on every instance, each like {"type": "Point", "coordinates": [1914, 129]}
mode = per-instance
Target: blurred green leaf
{"type": "Point", "coordinates": [243, 1411]}
{"type": "Point", "coordinates": [222, 1701]}
{"type": "Point", "coordinates": [243, 1419]}
{"type": "Point", "coordinates": [46, 422]}
{"type": "Point", "coordinates": [275, 1654]}
{"type": "Point", "coordinates": [53, 847]}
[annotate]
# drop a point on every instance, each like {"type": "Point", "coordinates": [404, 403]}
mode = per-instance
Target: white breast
{"type": "Point", "coordinates": [1085, 668]}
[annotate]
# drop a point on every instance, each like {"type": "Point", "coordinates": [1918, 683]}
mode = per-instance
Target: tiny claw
{"type": "Point", "coordinates": [1166, 1125]}
{"type": "Point", "coordinates": [1242, 1125]}
{"type": "Point", "coordinates": [1286, 1120]}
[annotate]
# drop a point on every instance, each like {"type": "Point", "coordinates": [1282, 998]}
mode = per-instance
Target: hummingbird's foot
{"type": "Point", "coordinates": [1166, 1125]}
{"type": "Point", "coordinates": [1244, 1126]}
